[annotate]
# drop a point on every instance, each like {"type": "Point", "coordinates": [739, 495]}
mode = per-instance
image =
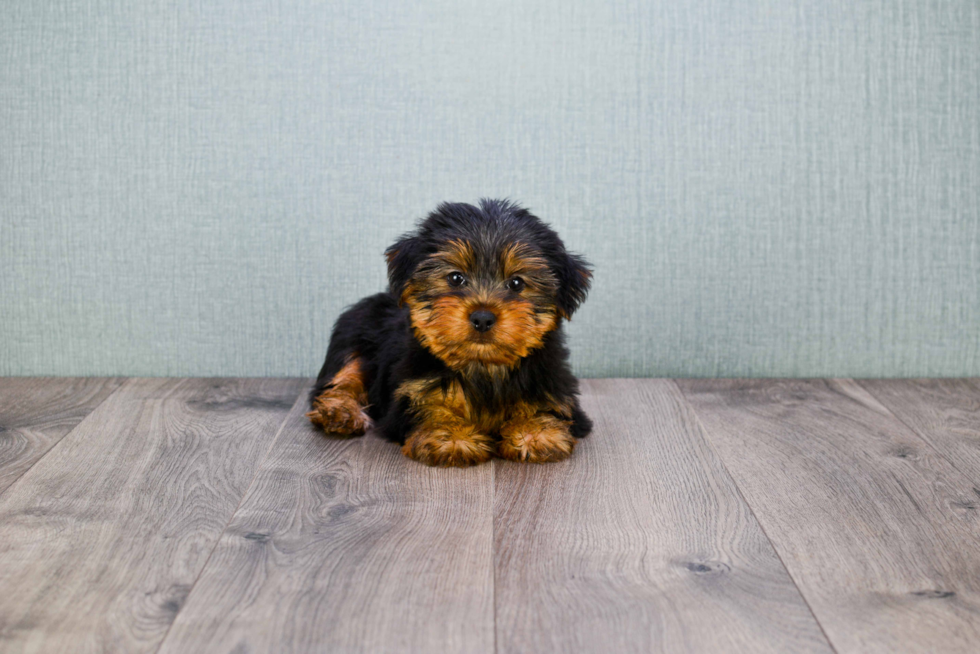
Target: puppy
{"type": "Point", "coordinates": [464, 356]}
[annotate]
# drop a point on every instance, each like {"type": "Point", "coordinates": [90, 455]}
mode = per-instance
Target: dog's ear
{"type": "Point", "coordinates": [403, 256]}
{"type": "Point", "coordinates": [574, 279]}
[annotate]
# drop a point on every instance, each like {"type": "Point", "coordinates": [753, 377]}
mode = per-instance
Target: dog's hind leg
{"type": "Point", "coordinates": [339, 408]}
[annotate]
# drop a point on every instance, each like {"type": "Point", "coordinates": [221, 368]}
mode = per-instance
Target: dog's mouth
{"type": "Point", "coordinates": [482, 348]}
{"type": "Point", "coordinates": [482, 338]}
{"type": "Point", "coordinates": [489, 354]}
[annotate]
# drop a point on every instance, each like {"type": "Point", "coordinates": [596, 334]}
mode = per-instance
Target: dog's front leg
{"type": "Point", "coordinates": [448, 443]}
{"type": "Point", "coordinates": [536, 435]}
{"type": "Point", "coordinates": [444, 433]}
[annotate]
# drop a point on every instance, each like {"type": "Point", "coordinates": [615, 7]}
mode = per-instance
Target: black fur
{"type": "Point", "coordinates": [378, 330]}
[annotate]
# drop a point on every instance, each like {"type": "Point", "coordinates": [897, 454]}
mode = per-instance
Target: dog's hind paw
{"type": "Point", "coordinates": [339, 414]}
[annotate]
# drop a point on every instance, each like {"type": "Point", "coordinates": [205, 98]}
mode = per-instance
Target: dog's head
{"type": "Point", "coordinates": [485, 284]}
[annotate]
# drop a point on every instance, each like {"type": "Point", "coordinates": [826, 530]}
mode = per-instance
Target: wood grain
{"type": "Point", "coordinates": [639, 543]}
{"type": "Point", "coordinates": [943, 412]}
{"type": "Point", "coordinates": [880, 533]}
{"type": "Point", "coordinates": [102, 539]}
{"type": "Point", "coordinates": [346, 545]}
{"type": "Point", "coordinates": [37, 412]}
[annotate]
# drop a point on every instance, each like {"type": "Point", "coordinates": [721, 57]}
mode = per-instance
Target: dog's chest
{"type": "Point", "coordinates": [484, 401]}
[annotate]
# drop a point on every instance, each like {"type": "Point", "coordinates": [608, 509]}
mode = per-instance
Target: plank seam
{"type": "Point", "coordinates": [71, 431]}
{"type": "Point", "coordinates": [493, 547]}
{"type": "Point", "coordinates": [966, 474]}
{"type": "Point", "coordinates": [214, 548]}
{"type": "Point", "coordinates": [762, 528]}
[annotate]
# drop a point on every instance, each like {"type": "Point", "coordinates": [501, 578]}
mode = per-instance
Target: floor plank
{"type": "Point", "coordinates": [102, 539]}
{"type": "Point", "coordinates": [639, 543]}
{"type": "Point", "coordinates": [944, 412]}
{"type": "Point", "coordinates": [37, 412]}
{"type": "Point", "coordinates": [346, 545]}
{"type": "Point", "coordinates": [877, 529]}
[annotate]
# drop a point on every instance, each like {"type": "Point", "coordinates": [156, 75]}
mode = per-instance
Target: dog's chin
{"type": "Point", "coordinates": [486, 338]}
{"type": "Point", "coordinates": [482, 349]}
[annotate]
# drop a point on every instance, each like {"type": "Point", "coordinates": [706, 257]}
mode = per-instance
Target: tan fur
{"type": "Point", "coordinates": [520, 259]}
{"type": "Point", "coordinates": [448, 433]}
{"type": "Point", "coordinates": [458, 255]}
{"type": "Point", "coordinates": [538, 438]}
{"type": "Point", "coordinates": [443, 325]}
{"type": "Point", "coordinates": [453, 432]}
{"type": "Point", "coordinates": [448, 445]}
{"type": "Point", "coordinates": [339, 409]}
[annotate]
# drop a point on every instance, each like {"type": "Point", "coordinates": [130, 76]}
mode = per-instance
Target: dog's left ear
{"type": "Point", "coordinates": [403, 256]}
{"type": "Point", "coordinates": [574, 279]}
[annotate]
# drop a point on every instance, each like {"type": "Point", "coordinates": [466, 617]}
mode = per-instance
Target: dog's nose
{"type": "Point", "coordinates": [482, 320]}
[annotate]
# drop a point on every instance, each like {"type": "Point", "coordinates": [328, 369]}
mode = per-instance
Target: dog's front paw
{"type": "Point", "coordinates": [339, 414]}
{"type": "Point", "coordinates": [457, 447]}
{"type": "Point", "coordinates": [537, 439]}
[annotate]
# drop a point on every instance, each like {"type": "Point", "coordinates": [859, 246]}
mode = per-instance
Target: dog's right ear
{"type": "Point", "coordinates": [403, 257]}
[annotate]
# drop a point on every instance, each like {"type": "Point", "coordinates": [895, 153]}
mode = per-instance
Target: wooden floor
{"type": "Point", "coordinates": [206, 515]}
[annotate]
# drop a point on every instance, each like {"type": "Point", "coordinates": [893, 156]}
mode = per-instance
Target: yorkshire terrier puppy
{"type": "Point", "coordinates": [464, 356]}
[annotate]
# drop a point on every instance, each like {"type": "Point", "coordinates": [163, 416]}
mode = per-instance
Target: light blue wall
{"type": "Point", "coordinates": [765, 188]}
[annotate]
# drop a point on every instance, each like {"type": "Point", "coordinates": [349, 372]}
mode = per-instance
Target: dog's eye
{"type": "Point", "coordinates": [456, 279]}
{"type": "Point", "coordinates": [515, 284]}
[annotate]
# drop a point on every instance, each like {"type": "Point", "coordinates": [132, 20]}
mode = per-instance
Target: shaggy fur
{"type": "Point", "coordinates": [464, 357]}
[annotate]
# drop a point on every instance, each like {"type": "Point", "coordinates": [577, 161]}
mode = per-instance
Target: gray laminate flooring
{"type": "Point", "coordinates": [186, 515]}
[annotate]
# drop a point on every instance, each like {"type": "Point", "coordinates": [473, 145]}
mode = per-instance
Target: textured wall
{"type": "Point", "coordinates": [766, 188]}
